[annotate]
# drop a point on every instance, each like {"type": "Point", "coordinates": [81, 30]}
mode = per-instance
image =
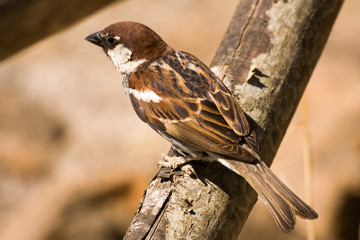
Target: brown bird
{"type": "Point", "coordinates": [185, 102]}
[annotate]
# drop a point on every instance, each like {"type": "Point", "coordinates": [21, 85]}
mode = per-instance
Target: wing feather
{"type": "Point", "coordinates": [230, 110]}
{"type": "Point", "coordinates": [209, 119]}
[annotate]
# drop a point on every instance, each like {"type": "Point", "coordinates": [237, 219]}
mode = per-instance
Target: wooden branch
{"type": "Point", "coordinates": [266, 59]}
{"type": "Point", "coordinates": [26, 22]}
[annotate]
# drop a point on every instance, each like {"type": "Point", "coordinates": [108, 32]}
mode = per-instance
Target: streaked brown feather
{"type": "Point", "coordinates": [230, 110]}
{"type": "Point", "coordinates": [205, 119]}
{"type": "Point", "coordinates": [216, 118]}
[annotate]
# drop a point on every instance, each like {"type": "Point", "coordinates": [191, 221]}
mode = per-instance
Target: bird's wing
{"type": "Point", "coordinates": [189, 104]}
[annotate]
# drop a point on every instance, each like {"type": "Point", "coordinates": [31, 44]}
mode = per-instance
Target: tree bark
{"type": "Point", "coordinates": [24, 22]}
{"type": "Point", "coordinates": [266, 58]}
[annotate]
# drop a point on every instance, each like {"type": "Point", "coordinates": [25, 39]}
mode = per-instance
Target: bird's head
{"type": "Point", "coordinates": [129, 44]}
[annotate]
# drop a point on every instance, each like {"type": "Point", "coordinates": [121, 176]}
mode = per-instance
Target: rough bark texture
{"type": "Point", "coordinates": [266, 58]}
{"type": "Point", "coordinates": [24, 22]}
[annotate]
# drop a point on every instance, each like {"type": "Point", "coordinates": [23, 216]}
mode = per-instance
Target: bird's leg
{"type": "Point", "coordinates": [176, 158]}
{"type": "Point", "coordinates": [173, 161]}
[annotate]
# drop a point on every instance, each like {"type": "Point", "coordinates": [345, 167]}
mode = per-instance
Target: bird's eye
{"type": "Point", "coordinates": [110, 40]}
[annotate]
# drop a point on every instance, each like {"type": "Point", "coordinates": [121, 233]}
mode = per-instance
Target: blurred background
{"type": "Point", "coordinates": [75, 159]}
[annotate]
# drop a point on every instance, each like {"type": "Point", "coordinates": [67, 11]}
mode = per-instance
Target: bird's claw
{"type": "Point", "coordinates": [176, 162]}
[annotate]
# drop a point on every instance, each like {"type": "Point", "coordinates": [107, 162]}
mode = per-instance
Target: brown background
{"type": "Point", "coordinates": [74, 158]}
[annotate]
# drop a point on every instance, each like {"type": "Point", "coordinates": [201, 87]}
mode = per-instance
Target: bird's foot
{"type": "Point", "coordinates": [176, 162]}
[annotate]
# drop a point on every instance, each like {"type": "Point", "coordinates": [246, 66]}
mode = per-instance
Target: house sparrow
{"type": "Point", "coordinates": [185, 102]}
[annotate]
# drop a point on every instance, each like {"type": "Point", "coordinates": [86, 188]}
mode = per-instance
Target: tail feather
{"type": "Point", "coordinates": [282, 213]}
{"type": "Point", "coordinates": [301, 208]}
{"type": "Point", "coordinates": [282, 203]}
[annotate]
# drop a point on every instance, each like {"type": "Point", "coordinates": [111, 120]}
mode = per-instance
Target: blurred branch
{"type": "Point", "coordinates": [266, 58]}
{"type": "Point", "coordinates": [24, 22]}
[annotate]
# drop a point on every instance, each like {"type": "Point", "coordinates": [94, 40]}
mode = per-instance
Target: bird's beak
{"type": "Point", "coordinates": [95, 39]}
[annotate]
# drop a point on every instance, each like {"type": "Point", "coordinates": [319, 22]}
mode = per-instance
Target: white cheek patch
{"type": "Point", "coordinates": [146, 96]}
{"type": "Point", "coordinates": [120, 56]}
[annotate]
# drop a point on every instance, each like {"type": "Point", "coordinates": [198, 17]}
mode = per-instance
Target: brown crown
{"type": "Point", "coordinates": [140, 39]}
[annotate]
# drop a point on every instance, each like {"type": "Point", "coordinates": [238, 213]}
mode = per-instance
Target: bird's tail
{"type": "Point", "coordinates": [282, 203]}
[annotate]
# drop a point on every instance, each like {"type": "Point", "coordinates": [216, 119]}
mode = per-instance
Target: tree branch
{"type": "Point", "coordinates": [23, 23]}
{"type": "Point", "coordinates": [266, 58]}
